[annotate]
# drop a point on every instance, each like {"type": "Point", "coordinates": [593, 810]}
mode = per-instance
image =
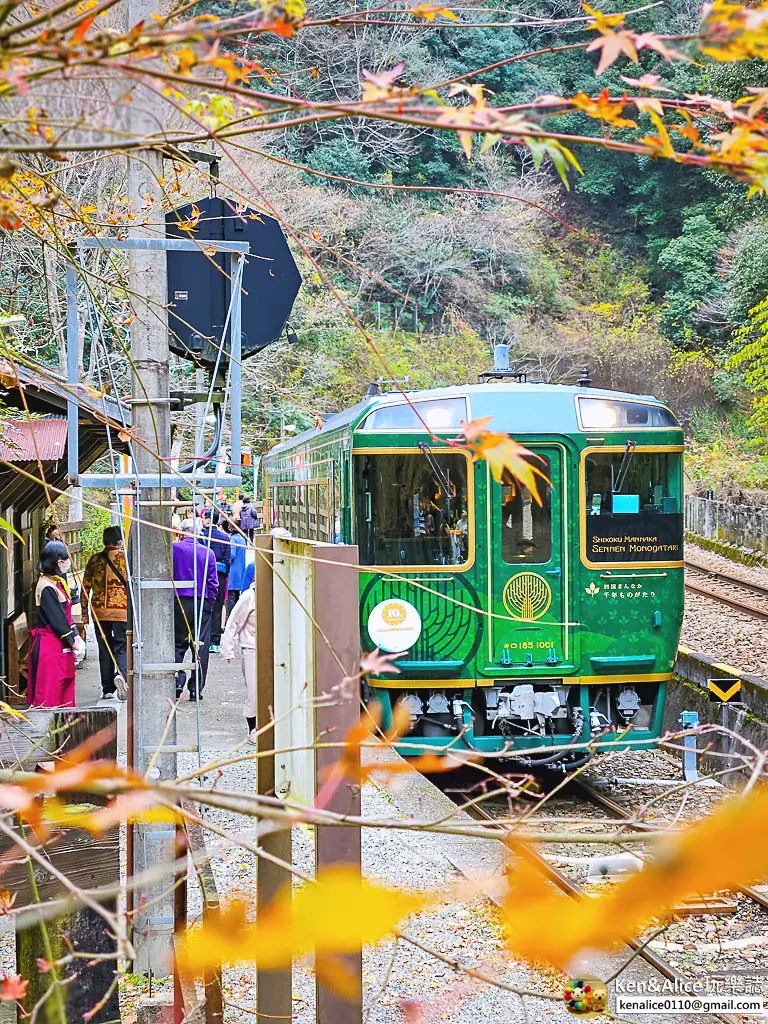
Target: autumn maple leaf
{"type": "Point", "coordinates": [428, 12]}
{"type": "Point", "coordinates": [7, 900]}
{"type": "Point", "coordinates": [381, 85]}
{"type": "Point", "coordinates": [379, 664]}
{"type": "Point", "coordinates": [646, 82]}
{"type": "Point", "coordinates": [604, 109]}
{"type": "Point", "coordinates": [78, 36]}
{"type": "Point", "coordinates": [650, 41]}
{"type": "Point", "coordinates": [293, 925]}
{"type": "Point", "coordinates": [724, 851]}
{"type": "Point", "coordinates": [10, 220]}
{"type": "Point", "coordinates": [612, 45]}
{"type": "Point", "coordinates": [661, 144]}
{"type": "Point", "coordinates": [508, 459]}
{"type": "Point", "coordinates": [13, 987]}
{"type": "Point", "coordinates": [602, 22]}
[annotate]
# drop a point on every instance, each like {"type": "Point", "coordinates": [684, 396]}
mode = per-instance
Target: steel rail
{"type": "Point", "coordinates": [732, 602]}
{"type": "Point", "coordinates": [725, 577]}
{"type": "Point", "coordinates": [574, 891]}
{"type": "Point", "coordinates": [639, 826]}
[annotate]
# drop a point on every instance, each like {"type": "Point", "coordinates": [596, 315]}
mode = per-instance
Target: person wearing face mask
{"type": "Point", "coordinates": [56, 645]}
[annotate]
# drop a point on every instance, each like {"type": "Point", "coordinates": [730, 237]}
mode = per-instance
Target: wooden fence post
{"type": "Point", "coordinates": [273, 988]}
{"type": "Point", "coordinates": [336, 604]}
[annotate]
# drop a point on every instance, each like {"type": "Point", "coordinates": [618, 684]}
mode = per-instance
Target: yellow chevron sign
{"type": "Point", "coordinates": [723, 689]}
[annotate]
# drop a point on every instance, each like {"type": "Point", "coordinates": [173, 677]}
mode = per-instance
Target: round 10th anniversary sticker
{"type": "Point", "coordinates": [394, 625]}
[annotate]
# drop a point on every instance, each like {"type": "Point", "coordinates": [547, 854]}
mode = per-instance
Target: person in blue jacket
{"type": "Point", "coordinates": [237, 568]}
{"type": "Point", "coordinates": [218, 542]}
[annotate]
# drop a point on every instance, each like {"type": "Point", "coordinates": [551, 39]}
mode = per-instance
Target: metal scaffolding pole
{"type": "Point", "coordinates": [151, 548]}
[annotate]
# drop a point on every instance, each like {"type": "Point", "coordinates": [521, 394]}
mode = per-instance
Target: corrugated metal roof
{"type": "Point", "coordinates": [28, 440]}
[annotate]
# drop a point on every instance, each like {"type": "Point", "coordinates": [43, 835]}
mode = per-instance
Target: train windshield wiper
{"type": "Point", "coordinates": [429, 455]}
{"type": "Point", "coordinates": [621, 476]}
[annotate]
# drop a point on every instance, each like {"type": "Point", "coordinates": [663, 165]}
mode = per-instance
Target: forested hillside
{"type": "Point", "coordinates": [642, 270]}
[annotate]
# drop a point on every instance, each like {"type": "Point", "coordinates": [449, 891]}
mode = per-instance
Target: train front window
{"type": "Point", "coordinates": [633, 506]}
{"type": "Point", "coordinates": [526, 527]}
{"type": "Point", "coordinates": [412, 509]}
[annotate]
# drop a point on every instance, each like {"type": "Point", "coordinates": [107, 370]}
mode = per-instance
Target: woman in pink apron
{"type": "Point", "coordinates": [56, 644]}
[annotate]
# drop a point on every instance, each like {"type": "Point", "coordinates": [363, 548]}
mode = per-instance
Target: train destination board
{"type": "Point", "coordinates": [635, 538]}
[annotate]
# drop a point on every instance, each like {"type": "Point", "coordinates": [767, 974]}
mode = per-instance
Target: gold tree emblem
{"type": "Point", "coordinates": [527, 596]}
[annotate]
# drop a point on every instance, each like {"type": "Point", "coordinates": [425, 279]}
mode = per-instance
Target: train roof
{"type": "Point", "coordinates": [515, 408]}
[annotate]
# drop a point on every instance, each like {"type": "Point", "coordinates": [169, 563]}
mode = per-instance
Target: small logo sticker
{"type": "Point", "coordinates": [592, 589]}
{"type": "Point", "coordinates": [586, 996]}
{"type": "Point", "coordinates": [394, 626]}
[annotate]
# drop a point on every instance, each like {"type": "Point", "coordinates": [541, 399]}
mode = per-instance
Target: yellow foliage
{"type": "Point", "coordinates": [337, 914]}
{"type": "Point", "coordinates": [509, 460]}
{"type": "Point", "coordinates": [726, 850]}
{"type": "Point", "coordinates": [736, 31]}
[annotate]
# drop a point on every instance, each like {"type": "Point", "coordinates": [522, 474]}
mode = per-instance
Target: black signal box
{"type": "Point", "coordinates": [199, 285]}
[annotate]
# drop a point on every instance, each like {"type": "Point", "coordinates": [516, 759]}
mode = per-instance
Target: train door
{"type": "Point", "coordinates": [529, 573]}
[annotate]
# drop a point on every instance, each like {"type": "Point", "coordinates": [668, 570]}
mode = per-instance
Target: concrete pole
{"type": "Point", "coordinates": [152, 562]}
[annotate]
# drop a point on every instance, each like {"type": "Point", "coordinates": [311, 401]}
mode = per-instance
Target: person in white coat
{"type": "Point", "coordinates": [241, 626]}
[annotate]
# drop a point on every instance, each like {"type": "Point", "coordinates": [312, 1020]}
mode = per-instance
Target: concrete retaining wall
{"type": "Point", "coordinates": [688, 692]}
{"type": "Point", "coordinates": [743, 527]}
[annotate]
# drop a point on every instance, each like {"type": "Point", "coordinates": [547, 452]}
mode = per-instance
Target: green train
{"type": "Point", "coordinates": [520, 626]}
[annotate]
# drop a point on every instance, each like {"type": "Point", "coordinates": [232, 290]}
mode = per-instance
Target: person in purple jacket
{"type": "Point", "coordinates": [195, 565]}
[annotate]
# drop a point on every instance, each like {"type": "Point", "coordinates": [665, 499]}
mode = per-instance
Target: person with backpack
{"type": "Point", "coordinates": [105, 596]}
{"type": "Point", "coordinates": [249, 518]}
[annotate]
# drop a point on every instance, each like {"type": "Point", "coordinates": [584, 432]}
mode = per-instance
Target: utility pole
{"type": "Point", "coordinates": [154, 681]}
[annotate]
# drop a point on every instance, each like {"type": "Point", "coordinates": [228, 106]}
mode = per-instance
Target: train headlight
{"type": "Point", "coordinates": [598, 415]}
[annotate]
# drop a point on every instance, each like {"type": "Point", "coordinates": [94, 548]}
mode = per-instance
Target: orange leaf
{"type": "Point", "coordinates": [79, 34]}
{"type": "Point", "coordinates": [604, 109]}
{"type": "Point", "coordinates": [283, 28]}
{"type": "Point", "coordinates": [13, 987]}
{"type": "Point", "coordinates": [507, 459]}
{"type": "Point", "coordinates": [428, 12]}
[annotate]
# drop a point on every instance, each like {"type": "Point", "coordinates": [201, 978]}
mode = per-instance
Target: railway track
{"type": "Point", "coordinates": [559, 879]}
{"type": "Point", "coordinates": [736, 585]}
{"type": "Point", "coordinates": [623, 814]}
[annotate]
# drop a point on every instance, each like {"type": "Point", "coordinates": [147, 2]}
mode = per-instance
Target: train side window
{"type": "Point", "coordinates": [526, 527]}
{"type": "Point", "coordinates": [323, 530]}
{"type": "Point", "coordinates": [338, 499]}
{"type": "Point", "coordinates": [412, 509]}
